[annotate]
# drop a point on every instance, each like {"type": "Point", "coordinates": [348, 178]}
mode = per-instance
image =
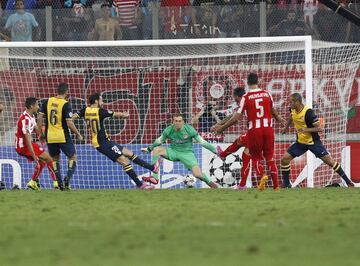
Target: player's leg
{"type": "Point", "coordinates": [245, 169]}
{"type": "Point", "coordinates": [295, 150]}
{"type": "Point", "coordinates": [196, 171]}
{"type": "Point", "coordinates": [256, 147]}
{"type": "Point", "coordinates": [54, 151]}
{"type": "Point", "coordinates": [191, 163]}
{"type": "Point", "coordinates": [70, 152]}
{"type": "Point", "coordinates": [133, 157]}
{"type": "Point", "coordinates": [33, 183]}
{"type": "Point", "coordinates": [319, 150]}
{"type": "Point", "coordinates": [268, 152]}
{"type": "Point", "coordinates": [155, 156]}
{"type": "Point", "coordinates": [237, 144]}
{"type": "Point", "coordinates": [46, 158]}
{"type": "Point", "coordinates": [125, 163]}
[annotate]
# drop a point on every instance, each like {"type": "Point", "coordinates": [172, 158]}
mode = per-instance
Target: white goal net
{"type": "Point", "coordinates": [155, 79]}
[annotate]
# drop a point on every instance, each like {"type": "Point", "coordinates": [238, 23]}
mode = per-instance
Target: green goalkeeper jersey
{"type": "Point", "coordinates": [181, 140]}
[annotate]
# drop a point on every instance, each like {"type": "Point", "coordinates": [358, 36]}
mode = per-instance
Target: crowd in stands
{"type": "Point", "coordinates": [79, 20]}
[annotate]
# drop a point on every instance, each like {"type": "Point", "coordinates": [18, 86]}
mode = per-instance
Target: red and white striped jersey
{"type": "Point", "coordinates": [126, 10]}
{"type": "Point", "coordinates": [25, 125]}
{"type": "Point", "coordinates": [257, 104]}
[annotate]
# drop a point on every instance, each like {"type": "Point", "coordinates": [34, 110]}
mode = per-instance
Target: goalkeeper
{"type": "Point", "coordinates": [181, 149]}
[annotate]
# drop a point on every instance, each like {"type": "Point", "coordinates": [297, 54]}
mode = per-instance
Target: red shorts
{"type": "Point", "coordinates": [243, 139]}
{"type": "Point", "coordinates": [261, 143]}
{"type": "Point", "coordinates": [38, 150]}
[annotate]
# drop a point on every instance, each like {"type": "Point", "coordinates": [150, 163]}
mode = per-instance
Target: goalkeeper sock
{"type": "Point", "coordinates": [338, 169]}
{"type": "Point", "coordinates": [205, 178]}
{"type": "Point", "coordinates": [131, 173]}
{"type": "Point", "coordinates": [231, 149]}
{"type": "Point", "coordinates": [51, 170]}
{"type": "Point", "coordinates": [71, 170]}
{"type": "Point", "coordinates": [285, 172]}
{"type": "Point", "coordinates": [141, 162]}
{"type": "Point", "coordinates": [37, 171]}
{"type": "Point", "coordinates": [56, 167]}
{"type": "Point", "coordinates": [246, 158]}
{"type": "Point", "coordinates": [154, 159]}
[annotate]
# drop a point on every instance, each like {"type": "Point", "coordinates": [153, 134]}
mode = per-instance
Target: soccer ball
{"type": "Point", "coordinates": [189, 180]}
{"type": "Point", "coordinates": [226, 172]}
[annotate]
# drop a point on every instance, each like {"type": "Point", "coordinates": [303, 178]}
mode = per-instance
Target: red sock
{"type": "Point", "coordinates": [37, 171]}
{"type": "Point", "coordinates": [231, 149]}
{"type": "Point", "coordinates": [246, 158]}
{"type": "Point", "coordinates": [51, 170]}
{"type": "Point", "coordinates": [274, 173]}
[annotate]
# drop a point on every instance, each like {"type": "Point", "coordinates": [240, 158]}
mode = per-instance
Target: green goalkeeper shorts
{"type": "Point", "coordinates": [187, 158]}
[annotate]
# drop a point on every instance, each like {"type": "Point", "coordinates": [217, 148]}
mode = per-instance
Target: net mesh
{"type": "Point", "coordinates": [155, 81]}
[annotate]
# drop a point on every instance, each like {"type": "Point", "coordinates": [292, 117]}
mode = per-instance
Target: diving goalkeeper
{"type": "Point", "coordinates": [181, 149]}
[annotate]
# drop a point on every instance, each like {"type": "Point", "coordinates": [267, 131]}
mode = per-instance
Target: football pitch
{"type": "Point", "coordinates": [180, 227]}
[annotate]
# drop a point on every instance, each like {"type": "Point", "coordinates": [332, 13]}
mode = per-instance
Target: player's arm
{"type": "Point", "coordinates": [28, 139]}
{"type": "Point", "coordinates": [69, 121]}
{"type": "Point", "coordinates": [219, 128]}
{"type": "Point", "coordinates": [287, 125]}
{"type": "Point", "coordinates": [79, 114]}
{"type": "Point", "coordinates": [1, 107]}
{"type": "Point", "coordinates": [41, 114]}
{"type": "Point", "coordinates": [311, 119]}
{"type": "Point", "coordinates": [123, 115]}
{"type": "Point", "coordinates": [160, 140]}
{"type": "Point", "coordinates": [205, 144]}
{"type": "Point", "coordinates": [28, 144]}
{"type": "Point", "coordinates": [196, 118]}
{"type": "Point", "coordinates": [277, 117]}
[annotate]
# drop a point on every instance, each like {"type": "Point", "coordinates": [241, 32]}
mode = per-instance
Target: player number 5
{"type": "Point", "coordinates": [259, 108]}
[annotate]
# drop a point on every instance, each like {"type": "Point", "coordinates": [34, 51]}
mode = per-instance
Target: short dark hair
{"type": "Point", "coordinates": [252, 79]}
{"type": "Point", "coordinates": [297, 97]}
{"type": "Point", "coordinates": [105, 5]}
{"type": "Point", "coordinates": [239, 91]}
{"type": "Point", "coordinates": [62, 88]}
{"type": "Point", "coordinates": [94, 97]}
{"type": "Point", "coordinates": [178, 114]}
{"type": "Point", "coordinates": [30, 101]}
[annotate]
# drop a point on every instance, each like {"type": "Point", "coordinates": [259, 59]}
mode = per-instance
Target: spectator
{"type": "Point", "coordinates": [28, 4]}
{"type": "Point", "coordinates": [175, 18]}
{"type": "Point", "coordinates": [78, 23]}
{"type": "Point", "coordinates": [129, 18]}
{"type": "Point", "coordinates": [229, 18]}
{"type": "Point", "coordinates": [70, 3]}
{"type": "Point", "coordinates": [204, 18]}
{"type": "Point", "coordinates": [205, 119]}
{"type": "Point", "coordinates": [21, 24]}
{"type": "Point", "coordinates": [3, 36]}
{"type": "Point", "coordinates": [310, 9]}
{"type": "Point", "coordinates": [290, 26]}
{"type": "Point", "coordinates": [147, 7]}
{"type": "Point", "coordinates": [106, 27]}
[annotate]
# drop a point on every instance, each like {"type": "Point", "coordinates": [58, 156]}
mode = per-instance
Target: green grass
{"type": "Point", "coordinates": [180, 227]}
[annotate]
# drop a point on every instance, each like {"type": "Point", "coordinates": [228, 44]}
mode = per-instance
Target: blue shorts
{"type": "Point", "coordinates": [111, 149]}
{"type": "Point", "coordinates": [298, 149]}
{"type": "Point", "coordinates": [68, 148]}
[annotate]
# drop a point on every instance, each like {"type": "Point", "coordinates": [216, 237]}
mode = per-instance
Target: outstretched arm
{"type": "Point", "coordinates": [121, 114]}
{"type": "Point", "coordinates": [160, 140]}
{"type": "Point", "coordinates": [288, 123]}
{"type": "Point", "coordinates": [277, 117]}
{"type": "Point", "coordinates": [205, 144]}
{"type": "Point", "coordinates": [219, 128]}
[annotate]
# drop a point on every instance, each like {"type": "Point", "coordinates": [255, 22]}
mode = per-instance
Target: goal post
{"type": "Point", "coordinates": [154, 79]}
